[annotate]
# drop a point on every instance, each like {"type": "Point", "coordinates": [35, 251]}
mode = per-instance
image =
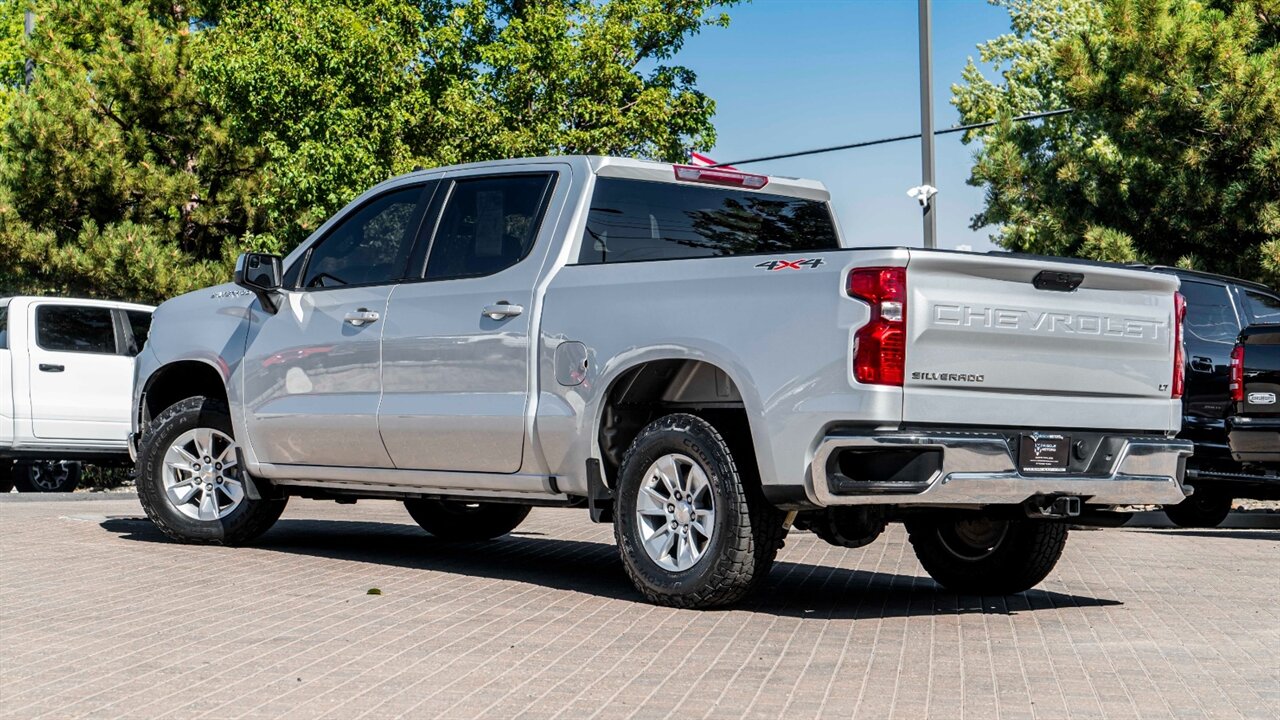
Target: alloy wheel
{"type": "Point", "coordinates": [201, 475]}
{"type": "Point", "coordinates": [676, 512]}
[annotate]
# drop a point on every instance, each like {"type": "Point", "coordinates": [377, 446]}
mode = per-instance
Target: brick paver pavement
{"type": "Point", "coordinates": [100, 617]}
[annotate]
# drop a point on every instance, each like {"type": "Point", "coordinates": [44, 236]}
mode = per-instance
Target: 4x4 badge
{"type": "Point", "coordinates": [789, 264]}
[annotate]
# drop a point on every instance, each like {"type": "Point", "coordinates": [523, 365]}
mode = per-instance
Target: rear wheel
{"type": "Point", "coordinates": [190, 481]}
{"type": "Point", "coordinates": [1201, 510]}
{"type": "Point", "coordinates": [455, 520]}
{"type": "Point", "coordinates": [46, 476]}
{"type": "Point", "coordinates": [691, 532]}
{"type": "Point", "coordinates": [973, 553]}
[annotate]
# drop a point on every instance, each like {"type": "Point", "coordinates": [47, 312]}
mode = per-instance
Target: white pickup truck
{"type": "Point", "coordinates": [693, 354]}
{"type": "Point", "coordinates": [66, 367]}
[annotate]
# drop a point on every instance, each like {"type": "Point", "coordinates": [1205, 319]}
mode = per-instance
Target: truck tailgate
{"type": "Point", "coordinates": [987, 347]}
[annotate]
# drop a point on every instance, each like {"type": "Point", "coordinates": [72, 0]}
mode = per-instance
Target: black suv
{"type": "Point", "coordinates": [1218, 308]}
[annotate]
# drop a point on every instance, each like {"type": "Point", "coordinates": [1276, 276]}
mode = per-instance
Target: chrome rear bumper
{"type": "Point", "coordinates": [981, 469]}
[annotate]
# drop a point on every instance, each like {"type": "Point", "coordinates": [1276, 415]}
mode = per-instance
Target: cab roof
{"type": "Point", "coordinates": [649, 170]}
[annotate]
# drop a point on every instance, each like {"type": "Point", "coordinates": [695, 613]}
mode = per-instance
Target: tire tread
{"type": "Point", "coordinates": [748, 554]}
{"type": "Point", "coordinates": [260, 516]}
{"type": "Point", "coordinates": [1032, 550]}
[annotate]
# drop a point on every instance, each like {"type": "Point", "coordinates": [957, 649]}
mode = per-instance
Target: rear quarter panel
{"type": "Point", "coordinates": [782, 336]}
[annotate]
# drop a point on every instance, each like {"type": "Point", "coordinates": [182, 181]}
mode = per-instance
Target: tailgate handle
{"type": "Point", "coordinates": [1057, 280]}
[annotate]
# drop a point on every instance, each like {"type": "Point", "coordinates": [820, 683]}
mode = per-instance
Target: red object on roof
{"type": "Point", "coordinates": [700, 160]}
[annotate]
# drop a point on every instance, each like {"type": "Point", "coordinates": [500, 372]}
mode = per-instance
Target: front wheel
{"type": "Point", "coordinates": [454, 520]}
{"type": "Point", "coordinates": [190, 481]}
{"type": "Point", "coordinates": [46, 476]}
{"type": "Point", "coordinates": [691, 532]}
{"type": "Point", "coordinates": [1203, 509]}
{"type": "Point", "coordinates": [973, 553]}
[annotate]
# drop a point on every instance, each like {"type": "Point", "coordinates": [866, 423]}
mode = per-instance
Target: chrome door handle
{"type": "Point", "coordinates": [362, 317]}
{"type": "Point", "coordinates": [501, 310]}
{"type": "Point", "coordinates": [47, 367]}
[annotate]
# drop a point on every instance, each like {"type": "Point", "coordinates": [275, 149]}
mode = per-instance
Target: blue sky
{"type": "Point", "coordinates": [798, 74]}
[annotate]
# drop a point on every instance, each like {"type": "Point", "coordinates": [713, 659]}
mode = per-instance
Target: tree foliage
{"type": "Point", "coordinates": [161, 139]}
{"type": "Point", "coordinates": [12, 59]}
{"type": "Point", "coordinates": [1173, 152]}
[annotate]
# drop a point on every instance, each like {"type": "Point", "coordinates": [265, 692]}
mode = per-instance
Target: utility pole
{"type": "Point", "coordinates": [28, 27]}
{"type": "Point", "coordinates": [927, 191]}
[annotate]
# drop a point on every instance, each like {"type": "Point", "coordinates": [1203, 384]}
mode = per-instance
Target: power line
{"type": "Point", "coordinates": [899, 138]}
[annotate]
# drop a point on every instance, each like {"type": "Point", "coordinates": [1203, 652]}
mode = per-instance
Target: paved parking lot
{"type": "Point", "coordinates": [100, 617]}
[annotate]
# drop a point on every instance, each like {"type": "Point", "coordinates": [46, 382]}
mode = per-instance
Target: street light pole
{"type": "Point", "coordinates": [28, 27]}
{"type": "Point", "coordinates": [926, 126]}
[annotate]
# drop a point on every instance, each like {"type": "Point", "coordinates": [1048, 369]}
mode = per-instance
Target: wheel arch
{"type": "Point", "coordinates": [176, 381]}
{"type": "Point", "coordinates": [648, 388]}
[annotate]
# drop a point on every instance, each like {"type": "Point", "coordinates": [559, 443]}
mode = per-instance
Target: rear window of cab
{"type": "Point", "coordinates": [639, 220]}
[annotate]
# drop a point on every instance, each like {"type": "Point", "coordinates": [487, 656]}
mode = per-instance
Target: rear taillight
{"type": "Point", "coordinates": [1179, 369]}
{"type": "Point", "coordinates": [718, 176]}
{"type": "Point", "coordinates": [1237, 374]}
{"type": "Point", "coordinates": [880, 347]}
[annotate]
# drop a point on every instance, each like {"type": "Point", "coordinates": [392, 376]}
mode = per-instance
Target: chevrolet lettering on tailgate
{"type": "Point", "coordinates": [1046, 322]}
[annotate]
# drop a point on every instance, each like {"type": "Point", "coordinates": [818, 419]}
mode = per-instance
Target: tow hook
{"type": "Point", "coordinates": [1053, 507]}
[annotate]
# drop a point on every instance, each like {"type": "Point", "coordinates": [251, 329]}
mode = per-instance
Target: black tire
{"type": "Point", "coordinates": [1204, 509]}
{"type": "Point", "coordinates": [6, 478]}
{"type": "Point", "coordinates": [1003, 557]}
{"type": "Point", "coordinates": [450, 520]}
{"type": "Point", "coordinates": [747, 533]}
{"type": "Point", "coordinates": [46, 476]}
{"type": "Point", "coordinates": [248, 520]}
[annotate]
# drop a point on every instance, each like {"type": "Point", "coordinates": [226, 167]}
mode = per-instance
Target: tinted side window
{"type": "Point", "coordinates": [637, 220]}
{"type": "Point", "coordinates": [66, 328]}
{"type": "Point", "coordinates": [4, 327]}
{"type": "Point", "coordinates": [1210, 317]}
{"type": "Point", "coordinates": [368, 247]}
{"type": "Point", "coordinates": [140, 324]}
{"type": "Point", "coordinates": [488, 225]}
{"type": "Point", "coordinates": [1263, 309]}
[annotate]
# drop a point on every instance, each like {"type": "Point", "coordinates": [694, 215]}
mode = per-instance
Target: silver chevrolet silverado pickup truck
{"type": "Point", "coordinates": [692, 354]}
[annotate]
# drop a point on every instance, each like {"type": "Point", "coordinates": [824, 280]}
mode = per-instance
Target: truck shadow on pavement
{"type": "Point", "coordinates": [1229, 534]}
{"type": "Point", "coordinates": [798, 590]}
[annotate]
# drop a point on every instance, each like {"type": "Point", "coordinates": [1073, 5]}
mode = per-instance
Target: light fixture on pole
{"type": "Point", "coordinates": [926, 191]}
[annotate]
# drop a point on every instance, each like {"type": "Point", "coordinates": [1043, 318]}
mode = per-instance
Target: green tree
{"type": "Point", "coordinates": [1173, 152]}
{"type": "Point", "coordinates": [12, 58]}
{"type": "Point", "coordinates": [344, 94]}
{"type": "Point", "coordinates": [117, 177]}
{"type": "Point", "coordinates": [159, 140]}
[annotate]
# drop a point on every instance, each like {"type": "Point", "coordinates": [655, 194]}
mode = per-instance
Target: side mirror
{"type": "Point", "coordinates": [262, 274]}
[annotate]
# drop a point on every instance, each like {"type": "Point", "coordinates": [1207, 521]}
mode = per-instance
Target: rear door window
{"type": "Point", "coordinates": [1210, 316]}
{"type": "Point", "coordinates": [1263, 309]}
{"type": "Point", "coordinates": [140, 326]}
{"type": "Point", "coordinates": [488, 225]}
{"type": "Point", "coordinates": [71, 328]}
{"type": "Point", "coordinates": [4, 327]}
{"type": "Point", "coordinates": [635, 220]}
